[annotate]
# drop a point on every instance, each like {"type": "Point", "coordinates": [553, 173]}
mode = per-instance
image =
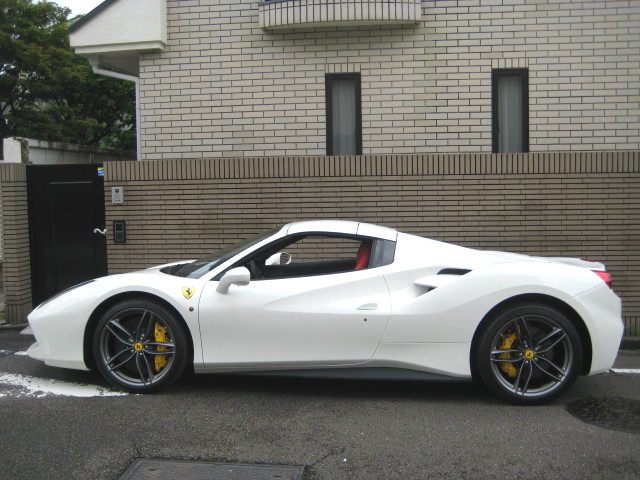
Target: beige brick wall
{"type": "Point", "coordinates": [559, 204]}
{"type": "Point", "coordinates": [577, 205]}
{"type": "Point", "coordinates": [226, 88]}
{"type": "Point", "coordinates": [16, 267]}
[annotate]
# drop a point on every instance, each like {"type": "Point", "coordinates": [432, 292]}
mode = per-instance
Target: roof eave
{"type": "Point", "coordinates": [93, 13]}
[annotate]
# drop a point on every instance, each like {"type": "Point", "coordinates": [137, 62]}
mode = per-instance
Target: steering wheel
{"type": "Point", "coordinates": [256, 269]}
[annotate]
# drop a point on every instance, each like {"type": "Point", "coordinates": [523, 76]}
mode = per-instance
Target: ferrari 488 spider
{"type": "Point", "coordinates": [342, 299]}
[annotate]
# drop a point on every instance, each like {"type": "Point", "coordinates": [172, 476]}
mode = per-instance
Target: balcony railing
{"type": "Point", "coordinates": [287, 14]}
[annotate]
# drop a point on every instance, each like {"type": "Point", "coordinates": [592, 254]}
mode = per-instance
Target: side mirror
{"type": "Point", "coordinates": [280, 258]}
{"type": "Point", "coordinates": [236, 276]}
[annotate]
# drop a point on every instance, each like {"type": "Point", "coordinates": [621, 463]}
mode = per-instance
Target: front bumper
{"type": "Point", "coordinates": [35, 352]}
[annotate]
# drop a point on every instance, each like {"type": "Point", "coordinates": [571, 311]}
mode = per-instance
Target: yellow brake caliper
{"type": "Point", "coordinates": [160, 335]}
{"type": "Point", "coordinates": [507, 368]}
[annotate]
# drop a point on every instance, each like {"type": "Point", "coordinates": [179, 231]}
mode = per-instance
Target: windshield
{"type": "Point", "coordinates": [200, 267]}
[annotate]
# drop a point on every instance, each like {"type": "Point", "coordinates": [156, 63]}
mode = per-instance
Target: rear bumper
{"type": "Point", "coordinates": [601, 311]}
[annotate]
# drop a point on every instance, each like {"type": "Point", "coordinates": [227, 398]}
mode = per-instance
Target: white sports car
{"type": "Point", "coordinates": [342, 299]}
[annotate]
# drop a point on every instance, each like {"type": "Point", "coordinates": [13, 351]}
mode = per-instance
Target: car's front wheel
{"type": "Point", "coordinates": [528, 354]}
{"type": "Point", "coordinates": [140, 346]}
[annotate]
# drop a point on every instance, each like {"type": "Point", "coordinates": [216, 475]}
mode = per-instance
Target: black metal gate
{"type": "Point", "coordinates": [67, 222]}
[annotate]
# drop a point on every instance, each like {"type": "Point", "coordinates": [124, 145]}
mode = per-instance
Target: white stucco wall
{"type": "Point", "coordinates": [124, 25]}
{"type": "Point", "coordinates": [12, 150]}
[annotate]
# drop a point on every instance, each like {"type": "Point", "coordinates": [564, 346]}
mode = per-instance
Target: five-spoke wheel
{"type": "Point", "coordinates": [528, 354]}
{"type": "Point", "coordinates": [140, 346]}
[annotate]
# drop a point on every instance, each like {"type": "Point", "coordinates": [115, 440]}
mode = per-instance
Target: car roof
{"type": "Point", "coordinates": [342, 226]}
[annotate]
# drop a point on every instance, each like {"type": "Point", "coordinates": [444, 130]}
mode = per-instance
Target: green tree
{"type": "Point", "coordinates": [48, 92]}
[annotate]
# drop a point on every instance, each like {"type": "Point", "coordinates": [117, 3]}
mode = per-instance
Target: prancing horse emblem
{"type": "Point", "coordinates": [188, 292]}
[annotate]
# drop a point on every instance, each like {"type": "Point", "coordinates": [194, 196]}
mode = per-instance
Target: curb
{"type": "Point", "coordinates": [13, 326]}
{"type": "Point", "coordinates": [630, 343]}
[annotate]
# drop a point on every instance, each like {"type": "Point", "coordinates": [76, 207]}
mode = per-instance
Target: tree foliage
{"type": "Point", "coordinates": [48, 92]}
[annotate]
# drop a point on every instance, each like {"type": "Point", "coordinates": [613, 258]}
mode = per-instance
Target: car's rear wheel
{"type": "Point", "coordinates": [528, 354]}
{"type": "Point", "coordinates": [140, 346]}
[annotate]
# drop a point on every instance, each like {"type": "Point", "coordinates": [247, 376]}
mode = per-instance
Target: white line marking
{"type": "Point", "coordinates": [626, 371]}
{"type": "Point", "coordinates": [5, 352]}
{"type": "Point", "coordinates": [21, 352]}
{"type": "Point", "coordinates": [42, 387]}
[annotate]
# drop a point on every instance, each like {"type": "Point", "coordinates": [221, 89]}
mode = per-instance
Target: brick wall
{"type": "Point", "coordinates": [225, 88]}
{"type": "Point", "coordinates": [16, 267]}
{"type": "Point", "coordinates": [577, 205]}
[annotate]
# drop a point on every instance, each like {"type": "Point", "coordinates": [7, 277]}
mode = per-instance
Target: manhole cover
{"type": "Point", "coordinates": [143, 469]}
{"type": "Point", "coordinates": [614, 414]}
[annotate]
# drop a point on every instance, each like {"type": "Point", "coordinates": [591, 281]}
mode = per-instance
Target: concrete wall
{"type": "Point", "coordinates": [225, 88]}
{"type": "Point", "coordinates": [583, 205]}
{"type": "Point", "coordinates": [40, 152]}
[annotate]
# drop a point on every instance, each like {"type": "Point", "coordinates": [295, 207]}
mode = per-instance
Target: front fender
{"type": "Point", "coordinates": [59, 325]}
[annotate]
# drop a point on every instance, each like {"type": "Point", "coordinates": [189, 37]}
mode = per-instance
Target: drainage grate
{"type": "Point", "coordinates": [613, 414]}
{"type": "Point", "coordinates": [143, 469]}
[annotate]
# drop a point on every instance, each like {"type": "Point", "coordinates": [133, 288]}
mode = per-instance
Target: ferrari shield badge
{"type": "Point", "coordinates": [188, 292]}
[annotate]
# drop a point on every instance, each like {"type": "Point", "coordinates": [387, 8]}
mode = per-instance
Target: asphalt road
{"type": "Point", "coordinates": [337, 429]}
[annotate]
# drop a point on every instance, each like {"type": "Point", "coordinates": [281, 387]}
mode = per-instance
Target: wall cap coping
{"type": "Point", "coordinates": [376, 165]}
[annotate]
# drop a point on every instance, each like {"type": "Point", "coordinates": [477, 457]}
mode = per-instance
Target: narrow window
{"type": "Point", "coordinates": [510, 91]}
{"type": "Point", "coordinates": [344, 124]}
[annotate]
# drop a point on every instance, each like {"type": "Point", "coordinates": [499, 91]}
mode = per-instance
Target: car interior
{"type": "Point", "coordinates": [310, 255]}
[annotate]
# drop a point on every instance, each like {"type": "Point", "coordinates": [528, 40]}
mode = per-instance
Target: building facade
{"type": "Point", "coordinates": [223, 78]}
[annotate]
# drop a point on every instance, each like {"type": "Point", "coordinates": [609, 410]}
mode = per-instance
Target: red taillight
{"type": "Point", "coordinates": [606, 278]}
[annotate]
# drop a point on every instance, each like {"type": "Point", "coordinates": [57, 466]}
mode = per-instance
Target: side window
{"type": "Point", "coordinates": [317, 248]}
{"type": "Point", "coordinates": [317, 254]}
{"type": "Point", "coordinates": [321, 255]}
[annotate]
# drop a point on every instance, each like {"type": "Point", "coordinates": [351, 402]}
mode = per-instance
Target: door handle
{"type": "Point", "coordinates": [368, 306]}
{"type": "Point", "coordinates": [101, 232]}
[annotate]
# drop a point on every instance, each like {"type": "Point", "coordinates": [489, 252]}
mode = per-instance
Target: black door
{"type": "Point", "coordinates": [66, 208]}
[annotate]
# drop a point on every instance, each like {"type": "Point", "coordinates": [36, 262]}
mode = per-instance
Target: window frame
{"type": "Point", "coordinates": [496, 74]}
{"type": "Point", "coordinates": [329, 82]}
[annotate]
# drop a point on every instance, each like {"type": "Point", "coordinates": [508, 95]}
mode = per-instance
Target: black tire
{"type": "Point", "coordinates": [528, 354]}
{"type": "Point", "coordinates": [140, 346]}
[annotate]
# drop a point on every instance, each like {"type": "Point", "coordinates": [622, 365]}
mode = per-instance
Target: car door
{"type": "Point", "coordinates": [330, 319]}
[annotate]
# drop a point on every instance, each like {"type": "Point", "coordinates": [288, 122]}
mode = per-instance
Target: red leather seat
{"type": "Point", "coordinates": [362, 258]}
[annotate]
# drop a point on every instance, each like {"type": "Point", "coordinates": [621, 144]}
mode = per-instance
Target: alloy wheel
{"type": "Point", "coordinates": [531, 356]}
{"type": "Point", "coordinates": [136, 347]}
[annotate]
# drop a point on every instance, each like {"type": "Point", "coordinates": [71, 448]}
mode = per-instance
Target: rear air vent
{"type": "Point", "coordinates": [453, 271]}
